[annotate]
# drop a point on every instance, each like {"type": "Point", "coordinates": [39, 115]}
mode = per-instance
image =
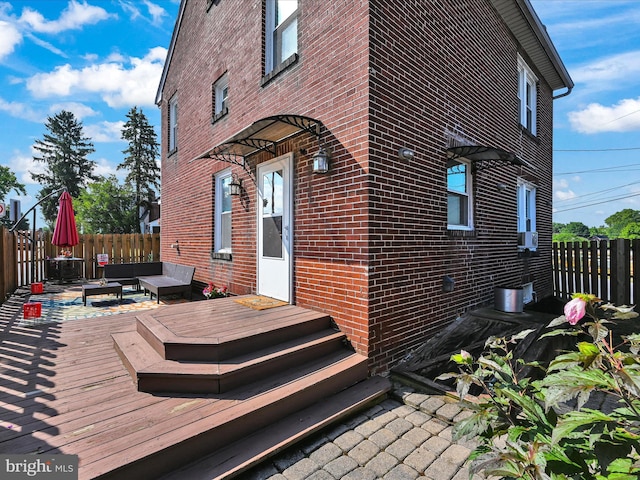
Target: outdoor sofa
{"type": "Point", "coordinates": [159, 278]}
{"type": "Point", "coordinates": [128, 273]}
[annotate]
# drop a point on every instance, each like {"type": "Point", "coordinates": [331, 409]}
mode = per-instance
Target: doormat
{"type": "Point", "coordinates": [258, 302]}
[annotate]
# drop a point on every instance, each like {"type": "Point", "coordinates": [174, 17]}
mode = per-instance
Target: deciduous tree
{"type": "Point", "coordinates": [106, 207]}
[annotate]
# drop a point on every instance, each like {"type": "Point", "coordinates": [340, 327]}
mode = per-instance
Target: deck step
{"type": "Point", "coordinates": [272, 400]}
{"type": "Point", "coordinates": [238, 457]}
{"type": "Point", "coordinates": [231, 343]}
{"type": "Point", "coordinates": [152, 373]}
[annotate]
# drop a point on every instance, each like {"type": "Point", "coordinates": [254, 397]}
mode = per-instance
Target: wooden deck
{"type": "Point", "coordinates": [64, 389]}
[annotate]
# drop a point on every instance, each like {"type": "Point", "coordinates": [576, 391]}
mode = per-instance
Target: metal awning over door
{"type": "Point", "coordinates": [262, 135]}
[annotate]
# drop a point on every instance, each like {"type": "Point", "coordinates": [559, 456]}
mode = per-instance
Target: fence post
{"type": "Point", "coordinates": [620, 271]}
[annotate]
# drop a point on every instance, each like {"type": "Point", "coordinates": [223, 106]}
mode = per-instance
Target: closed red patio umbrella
{"type": "Point", "coordinates": [65, 233]}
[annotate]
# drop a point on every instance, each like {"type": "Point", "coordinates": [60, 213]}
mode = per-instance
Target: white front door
{"type": "Point", "coordinates": [275, 228]}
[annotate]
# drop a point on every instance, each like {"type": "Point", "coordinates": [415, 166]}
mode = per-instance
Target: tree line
{"type": "Point", "coordinates": [622, 224]}
{"type": "Point", "coordinates": [101, 203]}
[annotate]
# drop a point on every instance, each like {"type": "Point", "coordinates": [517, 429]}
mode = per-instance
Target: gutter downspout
{"type": "Point", "coordinates": [564, 94]}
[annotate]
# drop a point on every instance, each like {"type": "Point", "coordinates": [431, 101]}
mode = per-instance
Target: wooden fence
{"type": "Point", "coordinates": [603, 268]}
{"type": "Point", "coordinates": [23, 261]}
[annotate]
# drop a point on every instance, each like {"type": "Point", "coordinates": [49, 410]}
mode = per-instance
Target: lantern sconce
{"type": "Point", "coordinates": [235, 187]}
{"type": "Point", "coordinates": [321, 161]}
{"type": "Point", "coordinates": [176, 246]}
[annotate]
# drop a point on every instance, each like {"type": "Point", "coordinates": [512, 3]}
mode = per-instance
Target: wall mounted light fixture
{"type": "Point", "coordinates": [235, 187]}
{"type": "Point", "coordinates": [447, 283]}
{"type": "Point", "coordinates": [176, 246]}
{"type": "Point", "coordinates": [501, 186]}
{"type": "Point", "coordinates": [321, 161]}
{"type": "Point", "coordinates": [406, 153]}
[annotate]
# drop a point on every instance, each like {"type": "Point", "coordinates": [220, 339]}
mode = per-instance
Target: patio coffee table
{"type": "Point", "coordinates": [111, 287]}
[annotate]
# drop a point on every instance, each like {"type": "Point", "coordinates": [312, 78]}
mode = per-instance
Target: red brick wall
{"type": "Point", "coordinates": [371, 244]}
{"type": "Point", "coordinates": [447, 70]}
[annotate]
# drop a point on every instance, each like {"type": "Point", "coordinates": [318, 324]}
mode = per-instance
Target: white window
{"type": "Point", "coordinates": [221, 95]}
{"type": "Point", "coordinates": [173, 123]}
{"type": "Point", "coordinates": [459, 206]}
{"type": "Point", "coordinates": [222, 226]}
{"type": "Point", "coordinates": [527, 92]}
{"type": "Point", "coordinates": [281, 32]}
{"type": "Point", "coordinates": [526, 206]}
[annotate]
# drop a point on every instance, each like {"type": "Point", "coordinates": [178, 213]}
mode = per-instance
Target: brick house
{"type": "Point", "coordinates": [436, 120]}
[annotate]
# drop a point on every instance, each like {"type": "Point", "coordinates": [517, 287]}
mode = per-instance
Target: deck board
{"type": "Point", "coordinates": [63, 388]}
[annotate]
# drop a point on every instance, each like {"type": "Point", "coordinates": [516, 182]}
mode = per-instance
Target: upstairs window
{"type": "Point", "coordinates": [220, 97]}
{"type": "Point", "coordinates": [459, 206]}
{"type": "Point", "coordinates": [281, 32]}
{"type": "Point", "coordinates": [527, 96]}
{"type": "Point", "coordinates": [173, 123]}
{"type": "Point", "coordinates": [222, 226]}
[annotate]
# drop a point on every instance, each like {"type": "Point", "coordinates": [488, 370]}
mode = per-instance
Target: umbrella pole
{"type": "Point", "coordinates": [33, 249]}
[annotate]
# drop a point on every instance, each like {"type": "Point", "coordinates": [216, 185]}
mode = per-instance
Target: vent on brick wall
{"type": "Point", "coordinates": [483, 157]}
{"type": "Point", "coordinates": [261, 135]}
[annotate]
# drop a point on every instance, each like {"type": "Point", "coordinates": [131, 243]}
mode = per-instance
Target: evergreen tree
{"type": "Point", "coordinates": [141, 159]}
{"type": "Point", "coordinates": [64, 150]}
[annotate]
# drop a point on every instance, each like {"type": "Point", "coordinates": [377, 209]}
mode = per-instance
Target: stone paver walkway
{"type": "Point", "coordinates": [407, 436]}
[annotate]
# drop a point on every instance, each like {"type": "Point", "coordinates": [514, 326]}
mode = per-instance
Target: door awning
{"type": "Point", "coordinates": [262, 135]}
{"type": "Point", "coordinates": [483, 157]}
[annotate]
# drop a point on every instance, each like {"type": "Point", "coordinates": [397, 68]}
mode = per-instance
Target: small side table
{"type": "Point", "coordinates": [112, 287]}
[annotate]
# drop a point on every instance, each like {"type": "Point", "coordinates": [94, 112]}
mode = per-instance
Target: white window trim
{"type": "Point", "coordinates": [270, 33]}
{"type": "Point", "coordinates": [219, 177]}
{"type": "Point", "coordinates": [173, 123]}
{"type": "Point", "coordinates": [527, 77]}
{"type": "Point", "coordinates": [522, 187]}
{"type": "Point", "coordinates": [468, 195]}
{"type": "Point", "coordinates": [218, 89]}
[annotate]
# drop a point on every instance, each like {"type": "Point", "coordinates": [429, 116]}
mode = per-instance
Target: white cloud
{"type": "Point", "coordinates": [46, 45]}
{"type": "Point", "coordinates": [105, 168]}
{"type": "Point", "coordinates": [564, 194]}
{"type": "Point", "coordinates": [104, 131]}
{"type": "Point", "coordinates": [607, 73]}
{"type": "Point", "coordinates": [74, 17]}
{"type": "Point", "coordinates": [21, 110]}
{"type": "Point", "coordinates": [9, 38]}
{"type": "Point", "coordinates": [22, 164]}
{"type": "Point", "coordinates": [156, 11]}
{"type": "Point", "coordinates": [624, 116]}
{"type": "Point", "coordinates": [118, 84]}
{"type": "Point", "coordinates": [79, 110]}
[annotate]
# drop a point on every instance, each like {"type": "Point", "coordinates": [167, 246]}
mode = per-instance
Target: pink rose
{"type": "Point", "coordinates": [575, 310]}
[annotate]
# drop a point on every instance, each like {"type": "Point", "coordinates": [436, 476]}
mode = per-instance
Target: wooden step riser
{"type": "Point", "coordinates": [237, 428]}
{"type": "Point", "coordinates": [161, 383]}
{"type": "Point", "coordinates": [221, 351]}
{"type": "Point", "coordinates": [125, 361]}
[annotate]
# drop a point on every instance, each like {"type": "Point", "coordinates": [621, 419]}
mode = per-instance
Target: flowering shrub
{"type": "Point", "coordinates": [211, 291]}
{"type": "Point", "coordinates": [544, 429]}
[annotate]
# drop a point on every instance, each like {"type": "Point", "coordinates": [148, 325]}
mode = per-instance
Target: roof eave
{"type": "Point", "coordinates": [172, 44]}
{"type": "Point", "coordinates": [532, 35]}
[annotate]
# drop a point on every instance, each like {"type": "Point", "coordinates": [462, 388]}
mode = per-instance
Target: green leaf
{"type": "Point", "coordinates": [598, 331]}
{"type": "Point", "coordinates": [561, 320]}
{"type": "Point", "coordinates": [462, 358]}
{"type": "Point", "coordinates": [521, 335]}
{"type": "Point", "coordinates": [575, 420]}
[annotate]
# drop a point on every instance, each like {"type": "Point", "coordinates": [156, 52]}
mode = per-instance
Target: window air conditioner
{"type": "Point", "coordinates": [528, 240]}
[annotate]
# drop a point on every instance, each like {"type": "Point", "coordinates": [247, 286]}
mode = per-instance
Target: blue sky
{"type": "Point", "coordinates": [95, 58]}
{"type": "Point", "coordinates": [98, 58]}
